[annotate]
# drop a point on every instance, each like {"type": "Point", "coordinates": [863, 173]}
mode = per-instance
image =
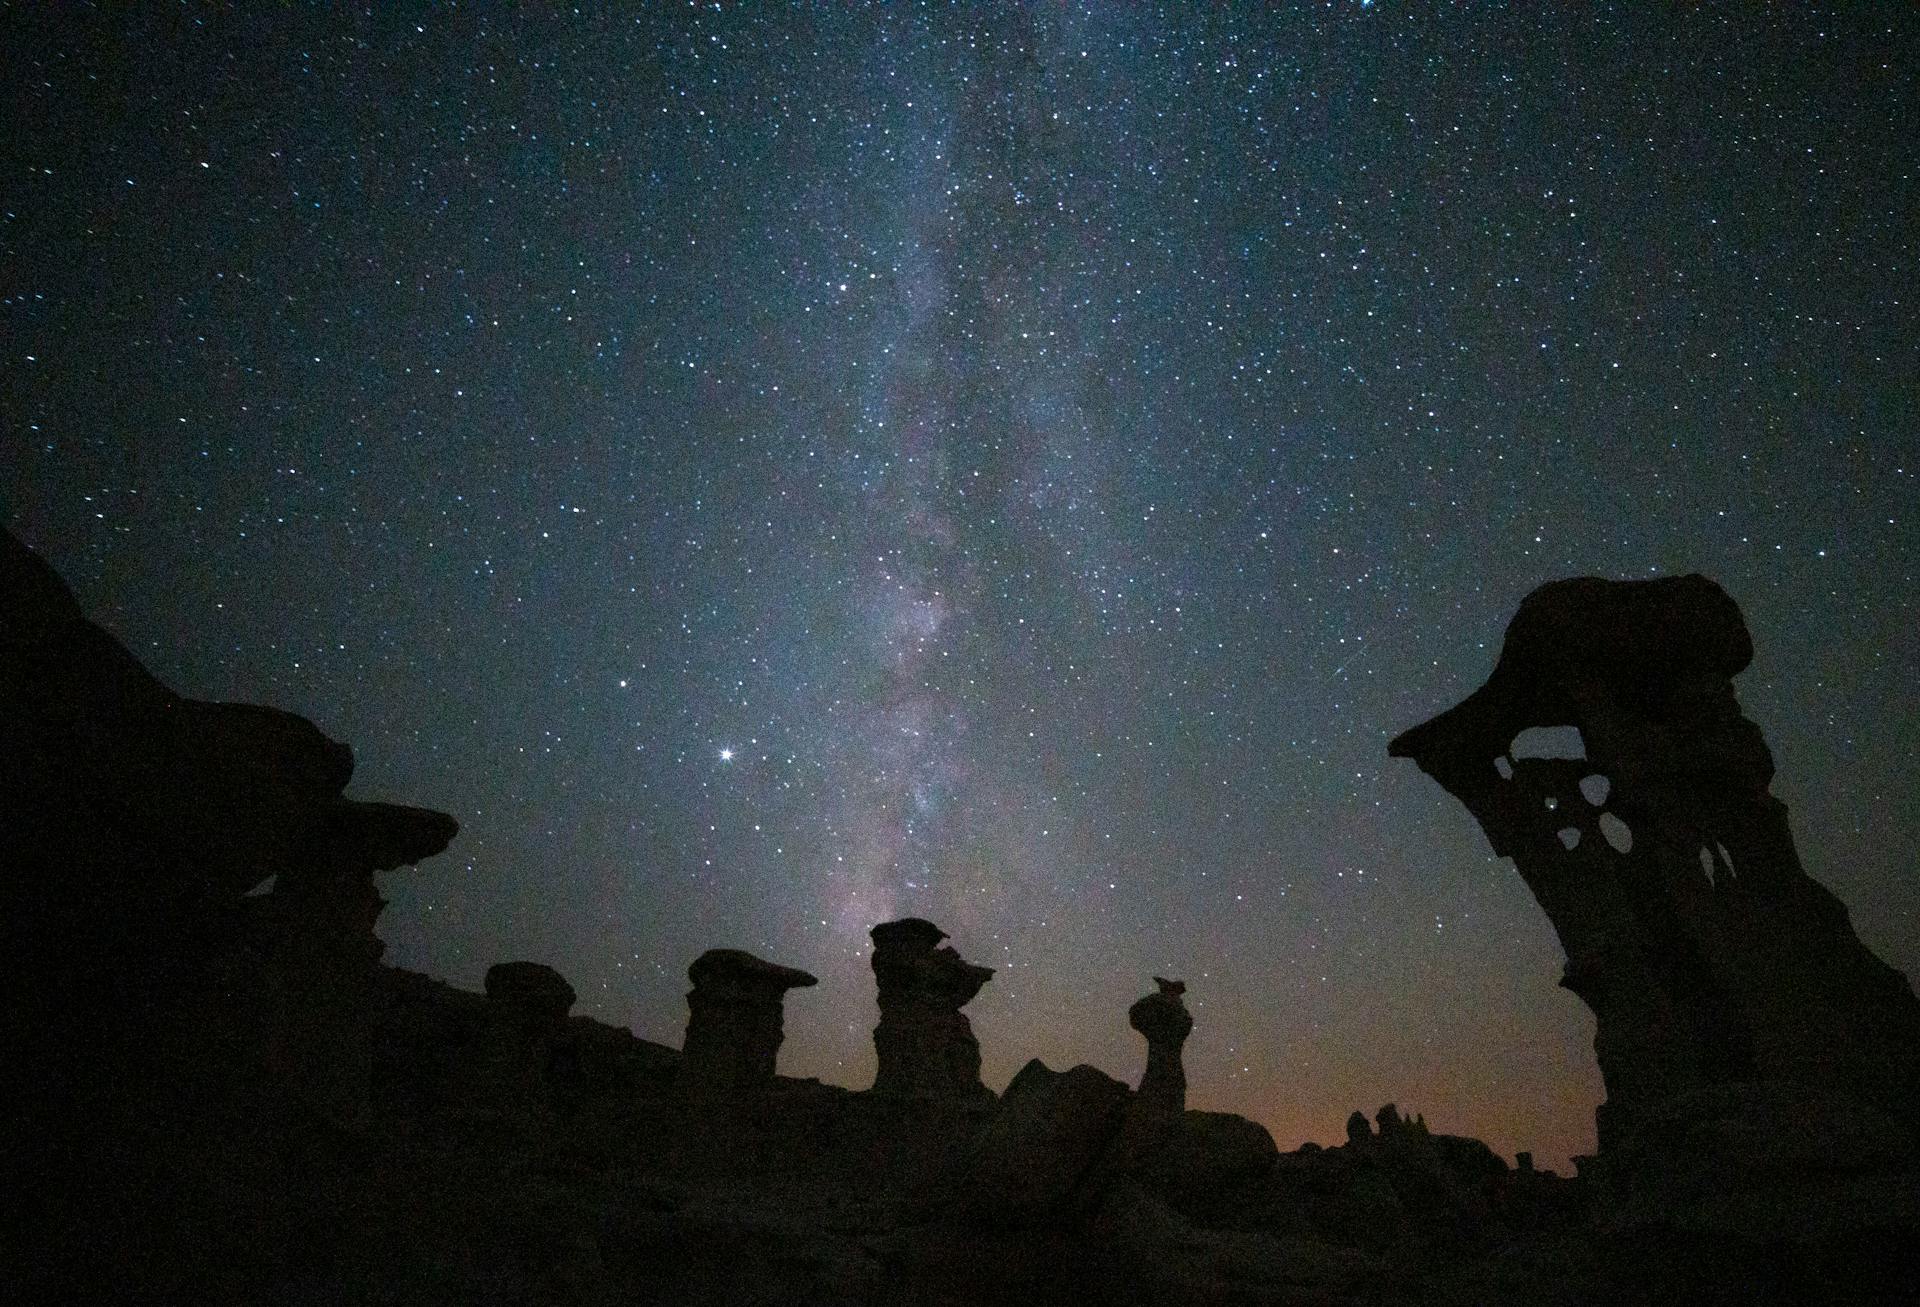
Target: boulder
{"type": "Point", "coordinates": [529, 993]}
{"type": "Point", "coordinates": [1028, 1164]}
{"type": "Point", "coordinates": [1206, 1162]}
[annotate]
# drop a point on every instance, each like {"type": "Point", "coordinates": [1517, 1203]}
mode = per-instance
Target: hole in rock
{"type": "Point", "coordinates": [1549, 742]}
{"type": "Point", "coordinates": [1570, 837]}
{"type": "Point", "coordinates": [264, 887]}
{"type": "Point", "coordinates": [1504, 767]}
{"type": "Point", "coordinates": [1618, 834]}
{"type": "Point", "coordinates": [1595, 788]}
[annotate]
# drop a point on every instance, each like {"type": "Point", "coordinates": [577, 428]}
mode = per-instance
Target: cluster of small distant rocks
{"type": "Point", "coordinates": [1069, 1179]}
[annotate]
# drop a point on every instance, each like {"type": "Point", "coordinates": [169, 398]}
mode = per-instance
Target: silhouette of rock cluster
{"type": "Point", "coordinates": [225, 1097]}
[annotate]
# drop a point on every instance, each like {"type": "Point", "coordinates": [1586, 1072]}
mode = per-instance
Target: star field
{"type": "Point", "coordinates": [766, 471]}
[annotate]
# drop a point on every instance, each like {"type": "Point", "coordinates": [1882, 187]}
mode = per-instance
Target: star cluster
{"type": "Point", "coordinates": [769, 470]}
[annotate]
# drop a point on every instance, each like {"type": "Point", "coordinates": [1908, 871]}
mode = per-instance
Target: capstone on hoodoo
{"type": "Point", "coordinates": [735, 1020]}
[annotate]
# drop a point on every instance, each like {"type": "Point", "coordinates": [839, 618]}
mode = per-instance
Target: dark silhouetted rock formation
{"type": "Point", "coordinates": [167, 1034]}
{"type": "Point", "coordinates": [925, 1044]}
{"type": "Point", "coordinates": [1394, 1126]}
{"type": "Point", "coordinates": [734, 1023]}
{"type": "Point", "coordinates": [223, 1097]}
{"type": "Point", "coordinates": [1206, 1155]}
{"type": "Point", "coordinates": [530, 994]}
{"type": "Point", "coordinates": [1738, 1017]}
{"type": "Point", "coordinates": [1164, 1022]}
{"type": "Point", "coordinates": [526, 1022]}
{"type": "Point", "coordinates": [1032, 1161]}
{"type": "Point", "coordinates": [1154, 1114]}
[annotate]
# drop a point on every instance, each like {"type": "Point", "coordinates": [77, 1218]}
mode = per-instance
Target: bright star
{"type": "Point", "coordinates": [726, 755]}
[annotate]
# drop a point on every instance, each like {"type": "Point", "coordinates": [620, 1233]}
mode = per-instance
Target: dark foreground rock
{"type": "Point", "coordinates": [182, 1057]}
{"type": "Point", "coordinates": [1034, 1159]}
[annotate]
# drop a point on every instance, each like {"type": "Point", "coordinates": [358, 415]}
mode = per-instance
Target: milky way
{"type": "Point", "coordinates": [771, 470]}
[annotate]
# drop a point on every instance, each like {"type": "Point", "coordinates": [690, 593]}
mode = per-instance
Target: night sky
{"type": "Point", "coordinates": [767, 471]}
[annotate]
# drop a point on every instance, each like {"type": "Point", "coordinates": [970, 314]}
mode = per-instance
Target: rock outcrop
{"type": "Point", "coordinates": [1164, 1022]}
{"type": "Point", "coordinates": [167, 1032]}
{"type": "Point", "coordinates": [529, 995]}
{"type": "Point", "coordinates": [526, 1023]}
{"type": "Point", "coordinates": [925, 1043]}
{"type": "Point", "coordinates": [1205, 1155]}
{"type": "Point", "coordinates": [1032, 1161]}
{"type": "Point", "coordinates": [735, 1022]}
{"type": "Point", "coordinates": [1155, 1110]}
{"type": "Point", "coordinates": [1730, 994]}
